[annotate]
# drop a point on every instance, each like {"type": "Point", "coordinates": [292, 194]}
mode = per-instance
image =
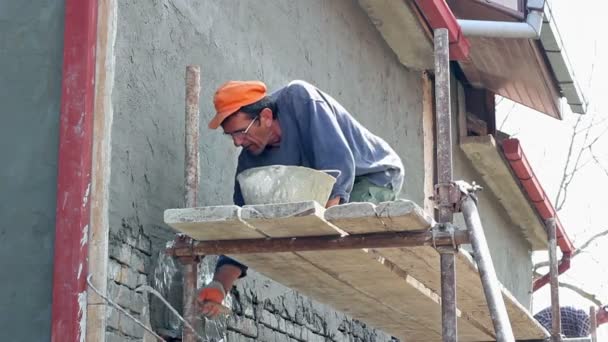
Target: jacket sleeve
{"type": "Point", "coordinates": [323, 140]}
{"type": "Point", "coordinates": [237, 196]}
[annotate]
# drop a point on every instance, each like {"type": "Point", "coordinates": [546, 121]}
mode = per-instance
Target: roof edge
{"type": "Point", "coordinates": [557, 57]}
{"type": "Point", "coordinates": [536, 194]}
{"type": "Point", "coordinates": [439, 15]}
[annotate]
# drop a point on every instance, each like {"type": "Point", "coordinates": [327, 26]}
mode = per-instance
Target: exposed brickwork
{"type": "Point", "coordinates": [262, 310]}
{"type": "Point", "coordinates": [128, 267]}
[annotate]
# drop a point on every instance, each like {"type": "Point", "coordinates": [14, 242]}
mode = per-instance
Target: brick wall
{"type": "Point", "coordinates": [262, 309]}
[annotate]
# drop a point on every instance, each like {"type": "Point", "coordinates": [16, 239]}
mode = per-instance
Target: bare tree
{"type": "Point", "coordinates": [580, 156]}
{"type": "Point", "coordinates": [577, 289]}
{"type": "Point", "coordinates": [586, 132]}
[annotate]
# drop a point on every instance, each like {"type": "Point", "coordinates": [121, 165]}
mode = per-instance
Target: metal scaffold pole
{"type": "Point", "coordinates": [491, 287]}
{"type": "Point", "coordinates": [192, 176]}
{"type": "Point", "coordinates": [444, 179]}
{"type": "Point", "coordinates": [556, 321]}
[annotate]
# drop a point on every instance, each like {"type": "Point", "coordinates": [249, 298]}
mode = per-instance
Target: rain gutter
{"type": "Point", "coordinates": [522, 169]}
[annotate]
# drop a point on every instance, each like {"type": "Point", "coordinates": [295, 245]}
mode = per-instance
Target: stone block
{"type": "Point", "coordinates": [144, 244]}
{"type": "Point", "coordinates": [289, 328]}
{"type": "Point", "coordinates": [138, 301]}
{"type": "Point", "coordinates": [114, 270]}
{"type": "Point", "coordinates": [232, 336]}
{"type": "Point", "coordinates": [129, 327]}
{"type": "Point", "coordinates": [142, 279]}
{"type": "Point", "coordinates": [268, 335]}
{"type": "Point", "coordinates": [138, 261]}
{"type": "Point", "coordinates": [243, 325]}
{"type": "Point", "coordinates": [269, 319]}
{"type": "Point", "coordinates": [113, 336]}
{"type": "Point", "coordinates": [128, 277]}
{"type": "Point", "coordinates": [281, 324]}
{"type": "Point", "coordinates": [112, 317]}
{"type": "Point", "coordinates": [120, 251]}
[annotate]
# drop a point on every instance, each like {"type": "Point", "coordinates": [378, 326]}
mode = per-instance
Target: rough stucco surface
{"type": "Point", "coordinates": [509, 249]}
{"type": "Point", "coordinates": [329, 43]}
{"type": "Point", "coordinates": [31, 41]}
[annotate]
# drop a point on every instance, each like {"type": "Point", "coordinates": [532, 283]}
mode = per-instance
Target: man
{"type": "Point", "coordinates": [575, 322]}
{"type": "Point", "coordinates": [299, 125]}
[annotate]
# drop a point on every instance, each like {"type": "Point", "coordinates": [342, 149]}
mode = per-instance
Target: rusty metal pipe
{"type": "Point", "coordinates": [191, 182]}
{"type": "Point", "coordinates": [593, 324]}
{"type": "Point", "coordinates": [316, 243]}
{"type": "Point", "coordinates": [444, 177]}
{"type": "Point", "coordinates": [191, 170]}
{"type": "Point", "coordinates": [556, 322]}
{"type": "Point", "coordinates": [491, 288]}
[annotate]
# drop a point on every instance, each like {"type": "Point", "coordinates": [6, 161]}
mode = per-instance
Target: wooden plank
{"type": "Point", "coordinates": [428, 141]}
{"type": "Point", "coordinates": [358, 218]}
{"type": "Point", "coordinates": [289, 219]}
{"type": "Point", "coordinates": [226, 222]}
{"type": "Point", "coordinates": [290, 269]}
{"type": "Point", "coordinates": [355, 270]}
{"type": "Point", "coordinates": [97, 257]}
{"type": "Point", "coordinates": [420, 263]}
{"type": "Point", "coordinates": [211, 223]}
{"type": "Point", "coordinates": [423, 264]}
{"type": "Point", "coordinates": [461, 112]}
{"type": "Point", "coordinates": [393, 289]}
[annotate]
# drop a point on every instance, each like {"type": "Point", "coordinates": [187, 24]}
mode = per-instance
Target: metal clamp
{"type": "Point", "coordinates": [453, 197]}
{"type": "Point", "coordinates": [467, 190]}
{"type": "Point", "coordinates": [182, 241]}
{"type": "Point", "coordinates": [446, 228]}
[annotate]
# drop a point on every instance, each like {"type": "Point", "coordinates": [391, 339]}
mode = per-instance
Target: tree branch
{"type": "Point", "coordinates": [560, 198]}
{"type": "Point", "coordinates": [598, 162]}
{"type": "Point", "coordinates": [589, 241]}
{"type": "Point", "coordinates": [507, 116]}
{"type": "Point", "coordinates": [589, 296]}
{"type": "Point", "coordinates": [578, 250]}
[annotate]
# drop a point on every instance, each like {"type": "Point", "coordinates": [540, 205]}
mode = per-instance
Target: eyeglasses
{"type": "Point", "coordinates": [241, 132]}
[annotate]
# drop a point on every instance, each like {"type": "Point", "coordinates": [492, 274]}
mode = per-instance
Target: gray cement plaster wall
{"type": "Point", "coordinates": [31, 46]}
{"type": "Point", "coordinates": [509, 249]}
{"type": "Point", "coordinates": [330, 43]}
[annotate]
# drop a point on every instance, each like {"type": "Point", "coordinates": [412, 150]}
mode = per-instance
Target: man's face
{"type": "Point", "coordinates": [246, 132]}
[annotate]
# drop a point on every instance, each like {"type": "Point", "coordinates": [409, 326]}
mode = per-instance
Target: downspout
{"type": "Point", "coordinates": [520, 165]}
{"type": "Point", "coordinates": [69, 304]}
{"type": "Point", "coordinates": [503, 29]}
{"type": "Point", "coordinates": [562, 266]}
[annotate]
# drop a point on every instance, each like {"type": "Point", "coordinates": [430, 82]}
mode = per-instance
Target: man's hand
{"type": "Point", "coordinates": [210, 299]}
{"type": "Point", "coordinates": [333, 201]}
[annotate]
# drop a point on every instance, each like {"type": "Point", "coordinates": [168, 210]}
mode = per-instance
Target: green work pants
{"type": "Point", "coordinates": [366, 191]}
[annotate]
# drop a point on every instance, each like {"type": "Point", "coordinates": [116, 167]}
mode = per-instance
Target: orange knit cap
{"type": "Point", "coordinates": [233, 95]}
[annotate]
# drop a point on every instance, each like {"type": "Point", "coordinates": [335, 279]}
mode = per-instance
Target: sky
{"type": "Point", "coordinates": [546, 141]}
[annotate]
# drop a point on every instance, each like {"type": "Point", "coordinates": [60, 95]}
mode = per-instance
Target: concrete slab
{"type": "Point", "coordinates": [395, 215]}
{"type": "Point", "coordinates": [211, 223]}
{"type": "Point", "coordinates": [400, 27]}
{"type": "Point", "coordinates": [487, 159]}
{"type": "Point", "coordinates": [395, 289]}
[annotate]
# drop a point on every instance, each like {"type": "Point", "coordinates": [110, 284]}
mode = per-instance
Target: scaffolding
{"type": "Point", "coordinates": [358, 238]}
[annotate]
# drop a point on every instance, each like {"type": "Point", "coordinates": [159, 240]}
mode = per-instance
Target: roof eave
{"type": "Point", "coordinates": [559, 62]}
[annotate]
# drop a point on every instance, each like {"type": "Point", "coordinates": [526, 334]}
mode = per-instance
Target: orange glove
{"type": "Point", "coordinates": [210, 299]}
